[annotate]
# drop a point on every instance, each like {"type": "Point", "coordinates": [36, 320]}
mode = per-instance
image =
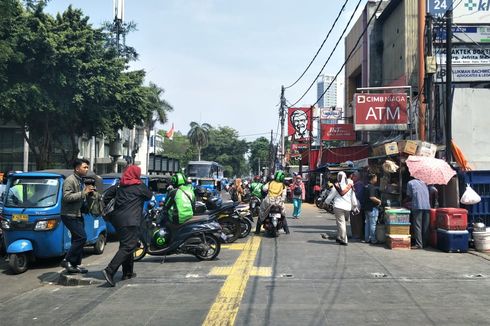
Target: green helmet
{"type": "Point", "coordinates": [178, 179]}
{"type": "Point", "coordinates": [160, 237]}
{"type": "Point", "coordinates": [279, 176]}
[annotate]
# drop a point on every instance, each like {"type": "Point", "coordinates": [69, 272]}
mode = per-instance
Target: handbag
{"type": "Point", "coordinates": [354, 202]}
{"type": "Point", "coordinates": [110, 207]}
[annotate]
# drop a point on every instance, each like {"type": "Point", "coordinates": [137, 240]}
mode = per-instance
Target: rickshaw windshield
{"type": "Point", "coordinates": [32, 192]}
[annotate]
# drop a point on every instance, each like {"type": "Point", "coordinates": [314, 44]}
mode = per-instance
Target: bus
{"type": "Point", "coordinates": [207, 174]}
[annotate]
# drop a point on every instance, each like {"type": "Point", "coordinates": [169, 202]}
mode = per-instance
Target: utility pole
{"type": "Point", "coordinates": [429, 81]}
{"type": "Point", "coordinates": [449, 79]}
{"type": "Point", "coordinates": [271, 153]}
{"type": "Point", "coordinates": [421, 64]}
{"type": "Point", "coordinates": [282, 109]}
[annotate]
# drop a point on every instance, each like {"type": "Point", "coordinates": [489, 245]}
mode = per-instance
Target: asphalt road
{"type": "Point", "coordinates": [297, 279]}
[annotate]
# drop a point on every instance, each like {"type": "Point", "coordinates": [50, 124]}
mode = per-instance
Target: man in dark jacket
{"type": "Point", "coordinates": [130, 195]}
{"type": "Point", "coordinates": [74, 194]}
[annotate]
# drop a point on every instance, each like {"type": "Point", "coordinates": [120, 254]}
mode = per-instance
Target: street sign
{"type": "Point", "coordinates": [338, 132]}
{"type": "Point", "coordinates": [465, 73]}
{"type": "Point", "coordinates": [465, 54]}
{"type": "Point", "coordinates": [380, 111]}
{"type": "Point", "coordinates": [464, 11]}
{"type": "Point", "coordinates": [464, 34]}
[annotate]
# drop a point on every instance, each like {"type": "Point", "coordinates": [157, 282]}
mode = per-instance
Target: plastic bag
{"type": "Point", "coordinates": [470, 197]}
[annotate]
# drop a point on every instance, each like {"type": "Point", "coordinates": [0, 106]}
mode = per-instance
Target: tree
{"type": "Point", "coordinates": [178, 148]}
{"type": "Point", "coordinates": [227, 149]}
{"type": "Point", "coordinates": [199, 136]}
{"type": "Point", "coordinates": [62, 81]}
{"type": "Point", "coordinates": [259, 154]}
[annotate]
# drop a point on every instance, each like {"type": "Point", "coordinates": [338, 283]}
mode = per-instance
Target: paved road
{"type": "Point", "coordinates": [299, 279]}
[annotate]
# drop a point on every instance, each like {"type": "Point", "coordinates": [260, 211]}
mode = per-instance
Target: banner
{"type": "Point", "coordinates": [464, 11]}
{"type": "Point", "coordinates": [338, 132]}
{"type": "Point", "coordinates": [333, 113]}
{"type": "Point", "coordinates": [380, 111]}
{"type": "Point", "coordinates": [299, 123]}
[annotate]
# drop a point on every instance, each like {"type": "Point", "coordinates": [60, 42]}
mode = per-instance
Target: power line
{"type": "Point", "coordinates": [331, 53]}
{"type": "Point", "coordinates": [321, 46]}
{"type": "Point", "coordinates": [350, 53]}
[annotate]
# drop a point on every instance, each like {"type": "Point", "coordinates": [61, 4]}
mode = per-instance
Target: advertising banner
{"type": "Point", "coordinates": [338, 132]}
{"type": "Point", "coordinates": [465, 54]}
{"type": "Point", "coordinates": [333, 113]}
{"type": "Point", "coordinates": [464, 34]}
{"type": "Point", "coordinates": [465, 73]}
{"type": "Point", "coordinates": [464, 11]}
{"type": "Point", "coordinates": [380, 111]}
{"type": "Point", "coordinates": [299, 123]}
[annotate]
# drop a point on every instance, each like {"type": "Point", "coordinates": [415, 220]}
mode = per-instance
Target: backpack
{"type": "Point", "coordinates": [365, 197]}
{"type": "Point", "coordinates": [297, 191]}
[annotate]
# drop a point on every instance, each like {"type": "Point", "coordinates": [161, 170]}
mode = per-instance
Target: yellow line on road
{"type": "Point", "coordinates": [234, 246]}
{"type": "Point", "coordinates": [225, 308]}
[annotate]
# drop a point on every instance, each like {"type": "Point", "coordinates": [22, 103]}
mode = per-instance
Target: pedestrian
{"type": "Point", "coordinates": [74, 195]}
{"type": "Point", "coordinates": [130, 196]}
{"type": "Point", "coordinates": [418, 191]}
{"type": "Point", "coordinates": [342, 197]}
{"type": "Point", "coordinates": [298, 191]}
{"type": "Point", "coordinates": [371, 205]}
{"type": "Point", "coordinates": [357, 219]}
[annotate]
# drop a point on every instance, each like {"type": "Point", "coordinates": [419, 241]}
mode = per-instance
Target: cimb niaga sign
{"type": "Point", "coordinates": [381, 111]}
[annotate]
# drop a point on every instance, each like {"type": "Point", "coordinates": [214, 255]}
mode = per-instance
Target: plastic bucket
{"type": "Point", "coordinates": [482, 241]}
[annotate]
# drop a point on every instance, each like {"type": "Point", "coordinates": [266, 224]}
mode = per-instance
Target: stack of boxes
{"type": "Point", "coordinates": [397, 228]}
{"type": "Point", "coordinates": [452, 235]}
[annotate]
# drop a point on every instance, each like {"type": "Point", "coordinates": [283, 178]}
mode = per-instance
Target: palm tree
{"type": "Point", "coordinates": [157, 112]}
{"type": "Point", "coordinates": [199, 136]}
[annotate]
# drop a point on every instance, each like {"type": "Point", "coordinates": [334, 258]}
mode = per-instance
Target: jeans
{"type": "Point", "coordinates": [297, 207]}
{"type": "Point", "coordinates": [78, 238]}
{"type": "Point", "coordinates": [370, 227]}
{"type": "Point", "coordinates": [128, 242]}
{"type": "Point", "coordinates": [420, 223]}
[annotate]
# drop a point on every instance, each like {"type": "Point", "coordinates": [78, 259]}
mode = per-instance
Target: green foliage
{"type": "Point", "coordinates": [60, 79]}
{"type": "Point", "coordinates": [199, 136]}
{"type": "Point", "coordinates": [178, 148]}
{"type": "Point", "coordinates": [226, 148]}
{"type": "Point", "coordinates": [259, 151]}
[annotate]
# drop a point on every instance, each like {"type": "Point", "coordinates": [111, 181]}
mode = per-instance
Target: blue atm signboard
{"type": "Point", "coordinates": [464, 11]}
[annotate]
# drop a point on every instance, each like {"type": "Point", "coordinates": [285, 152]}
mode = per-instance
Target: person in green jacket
{"type": "Point", "coordinates": [180, 203]}
{"type": "Point", "coordinates": [256, 187]}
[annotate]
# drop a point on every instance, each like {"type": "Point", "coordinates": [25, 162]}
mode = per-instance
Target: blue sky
{"type": "Point", "coordinates": [223, 61]}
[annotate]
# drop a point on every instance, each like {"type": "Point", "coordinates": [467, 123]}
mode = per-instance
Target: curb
{"type": "Point", "coordinates": [479, 254]}
{"type": "Point", "coordinates": [76, 280]}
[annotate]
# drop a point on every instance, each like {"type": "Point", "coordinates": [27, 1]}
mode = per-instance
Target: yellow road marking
{"type": "Point", "coordinates": [255, 271]}
{"type": "Point", "coordinates": [234, 246]}
{"type": "Point", "coordinates": [225, 308]}
{"type": "Point", "coordinates": [261, 271]}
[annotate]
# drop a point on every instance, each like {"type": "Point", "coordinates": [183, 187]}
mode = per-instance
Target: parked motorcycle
{"type": "Point", "coordinates": [255, 206]}
{"type": "Point", "coordinates": [245, 216]}
{"type": "Point", "coordinates": [274, 221]}
{"type": "Point", "coordinates": [198, 237]}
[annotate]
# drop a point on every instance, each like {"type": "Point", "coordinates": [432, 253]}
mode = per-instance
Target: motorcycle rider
{"type": "Point", "coordinates": [180, 202]}
{"type": "Point", "coordinates": [276, 193]}
{"type": "Point", "coordinates": [256, 187]}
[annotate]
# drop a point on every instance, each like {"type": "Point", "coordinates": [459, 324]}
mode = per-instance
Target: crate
{"type": "Point", "coordinates": [480, 182]}
{"type": "Point", "coordinates": [397, 216]}
{"type": "Point", "coordinates": [452, 218]}
{"type": "Point", "coordinates": [433, 238]}
{"type": "Point", "coordinates": [400, 229]}
{"type": "Point", "coordinates": [395, 241]}
{"type": "Point", "coordinates": [452, 241]}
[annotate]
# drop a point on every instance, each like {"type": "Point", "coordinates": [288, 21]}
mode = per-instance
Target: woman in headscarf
{"type": "Point", "coordinates": [341, 195]}
{"type": "Point", "coordinates": [130, 195]}
{"type": "Point", "coordinates": [298, 191]}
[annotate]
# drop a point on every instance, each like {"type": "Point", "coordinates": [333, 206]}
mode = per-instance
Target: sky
{"type": "Point", "coordinates": [223, 61]}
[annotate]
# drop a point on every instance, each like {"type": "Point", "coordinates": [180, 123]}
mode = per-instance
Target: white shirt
{"type": "Point", "coordinates": [343, 202]}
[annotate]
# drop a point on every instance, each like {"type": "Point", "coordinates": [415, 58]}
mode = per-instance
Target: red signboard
{"type": "Point", "coordinates": [338, 132]}
{"type": "Point", "coordinates": [299, 123]}
{"type": "Point", "coordinates": [381, 111]}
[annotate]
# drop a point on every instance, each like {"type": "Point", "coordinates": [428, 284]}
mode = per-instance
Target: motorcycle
{"type": "Point", "coordinates": [255, 206]}
{"type": "Point", "coordinates": [245, 217]}
{"type": "Point", "coordinates": [320, 199]}
{"type": "Point", "coordinates": [198, 237]}
{"type": "Point", "coordinates": [274, 221]}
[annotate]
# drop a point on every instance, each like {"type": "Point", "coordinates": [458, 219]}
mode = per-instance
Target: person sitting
{"type": "Point", "coordinates": [180, 202]}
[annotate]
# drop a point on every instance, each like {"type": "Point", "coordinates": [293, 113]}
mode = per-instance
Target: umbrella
{"type": "Point", "coordinates": [430, 170]}
{"type": "Point", "coordinates": [460, 158]}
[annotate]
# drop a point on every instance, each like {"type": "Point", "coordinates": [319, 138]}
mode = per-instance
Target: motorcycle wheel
{"type": "Point", "coordinates": [18, 262]}
{"type": "Point", "coordinates": [329, 208]}
{"type": "Point", "coordinates": [318, 202]}
{"type": "Point", "coordinates": [213, 248]}
{"type": "Point", "coordinates": [140, 251]}
{"type": "Point", "coordinates": [231, 228]}
{"type": "Point", "coordinates": [245, 227]}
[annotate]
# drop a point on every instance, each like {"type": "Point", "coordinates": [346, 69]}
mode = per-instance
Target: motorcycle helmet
{"type": "Point", "coordinates": [257, 178]}
{"type": "Point", "coordinates": [279, 176]}
{"type": "Point", "coordinates": [160, 237]}
{"type": "Point", "coordinates": [178, 179]}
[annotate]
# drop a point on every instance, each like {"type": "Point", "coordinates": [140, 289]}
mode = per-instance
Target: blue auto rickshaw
{"type": "Point", "coordinates": [31, 220]}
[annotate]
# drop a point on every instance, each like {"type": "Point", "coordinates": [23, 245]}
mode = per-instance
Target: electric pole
{"type": "Point", "coordinates": [282, 109]}
{"type": "Point", "coordinates": [449, 77]}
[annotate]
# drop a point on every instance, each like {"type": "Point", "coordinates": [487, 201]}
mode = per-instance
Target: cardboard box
{"type": "Point", "coordinates": [426, 149]}
{"type": "Point", "coordinates": [386, 149]}
{"type": "Point", "coordinates": [408, 146]}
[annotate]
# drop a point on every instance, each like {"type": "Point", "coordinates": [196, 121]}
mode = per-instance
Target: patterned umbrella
{"type": "Point", "coordinates": [430, 170]}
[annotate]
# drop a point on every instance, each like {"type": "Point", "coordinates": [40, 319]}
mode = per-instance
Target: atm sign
{"type": "Point", "coordinates": [383, 111]}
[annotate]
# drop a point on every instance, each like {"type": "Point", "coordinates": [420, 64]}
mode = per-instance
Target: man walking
{"type": "Point", "coordinates": [371, 208]}
{"type": "Point", "coordinates": [419, 193]}
{"type": "Point", "coordinates": [74, 194]}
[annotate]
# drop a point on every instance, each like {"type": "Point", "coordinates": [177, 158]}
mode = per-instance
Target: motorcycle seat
{"type": "Point", "coordinates": [196, 219]}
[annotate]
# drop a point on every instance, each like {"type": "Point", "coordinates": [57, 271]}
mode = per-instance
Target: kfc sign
{"type": "Point", "coordinates": [384, 111]}
{"type": "Point", "coordinates": [299, 123]}
{"type": "Point", "coordinates": [338, 132]}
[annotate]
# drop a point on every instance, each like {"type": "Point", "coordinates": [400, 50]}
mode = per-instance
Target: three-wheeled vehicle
{"type": "Point", "coordinates": [31, 220]}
